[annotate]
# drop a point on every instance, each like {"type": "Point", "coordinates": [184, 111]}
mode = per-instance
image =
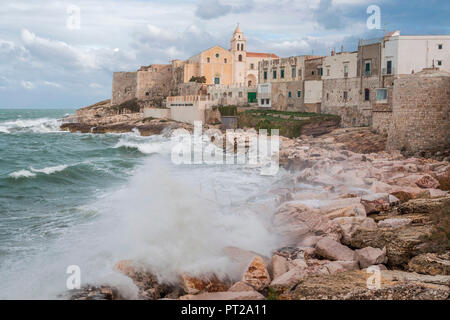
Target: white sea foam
{"type": "Point", "coordinates": [50, 170]}
{"type": "Point", "coordinates": [40, 125]}
{"type": "Point", "coordinates": [146, 145]}
{"type": "Point", "coordinates": [22, 174]}
{"type": "Point", "coordinates": [31, 173]}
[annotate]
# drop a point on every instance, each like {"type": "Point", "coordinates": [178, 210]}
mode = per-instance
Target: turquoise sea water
{"type": "Point", "coordinates": [92, 200]}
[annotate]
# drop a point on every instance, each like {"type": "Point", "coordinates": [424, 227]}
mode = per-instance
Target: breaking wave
{"type": "Point", "coordinates": [32, 172]}
{"type": "Point", "coordinates": [145, 145]}
{"type": "Point", "coordinates": [40, 125]}
{"type": "Point", "coordinates": [22, 174]}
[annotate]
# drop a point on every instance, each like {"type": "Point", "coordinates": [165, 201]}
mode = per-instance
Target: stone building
{"type": "Point", "coordinates": [410, 54]}
{"type": "Point", "coordinates": [281, 84]}
{"type": "Point", "coordinates": [124, 87]}
{"type": "Point", "coordinates": [420, 123]}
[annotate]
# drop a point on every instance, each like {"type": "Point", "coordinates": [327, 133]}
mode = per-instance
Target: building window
{"type": "Point", "coordinates": [282, 74]}
{"type": "Point", "coordinates": [230, 94]}
{"type": "Point", "coordinates": [381, 94]}
{"type": "Point", "coordinates": [252, 66]}
{"type": "Point", "coordinates": [367, 69]}
{"type": "Point", "coordinates": [299, 94]}
{"type": "Point", "coordinates": [274, 74]}
{"type": "Point", "coordinates": [320, 71]}
{"type": "Point", "coordinates": [439, 62]}
{"type": "Point", "coordinates": [290, 94]}
{"type": "Point", "coordinates": [345, 95]}
{"type": "Point", "coordinates": [216, 80]}
{"type": "Point", "coordinates": [267, 101]}
{"type": "Point", "coordinates": [147, 93]}
{"type": "Point", "coordinates": [240, 94]}
{"type": "Point", "coordinates": [328, 71]}
{"type": "Point", "coordinates": [262, 101]}
{"type": "Point", "coordinates": [240, 57]}
{"type": "Point", "coordinates": [238, 47]}
{"type": "Point", "coordinates": [242, 47]}
{"type": "Point", "coordinates": [217, 55]}
{"type": "Point", "coordinates": [208, 60]}
{"type": "Point", "coordinates": [312, 72]}
{"type": "Point", "coordinates": [389, 67]}
{"type": "Point", "coordinates": [225, 60]}
{"type": "Point", "coordinates": [440, 46]}
{"type": "Point", "coordinates": [265, 75]}
{"type": "Point", "coordinates": [293, 72]}
{"type": "Point", "coordinates": [328, 96]}
{"type": "Point", "coordinates": [366, 95]}
{"type": "Point", "coordinates": [346, 70]}
{"type": "Point", "coordinates": [299, 72]}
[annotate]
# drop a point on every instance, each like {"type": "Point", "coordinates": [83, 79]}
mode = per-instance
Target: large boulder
{"type": "Point", "coordinates": [278, 266]}
{"type": "Point", "coordinates": [195, 285]}
{"type": "Point", "coordinates": [431, 263]}
{"type": "Point", "coordinates": [333, 250]}
{"type": "Point", "coordinates": [242, 258]}
{"type": "Point", "coordinates": [401, 244]}
{"type": "Point", "coordinates": [147, 283]}
{"type": "Point", "coordinates": [427, 181]}
{"type": "Point", "coordinates": [296, 221]}
{"type": "Point", "coordinates": [371, 256]}
{"type": "Point", "coordinates": [375, 203]}
{"type": "Point", "coordinates": [257, 275]}
{"type": "Point", "coordinates": [349, 225]}
{"type": "Point", "coordinates": [287, 281]}
{"type": "Point", "coordinates": [355, 210]}
{"type": "Point", "coordinates": [352, 285]}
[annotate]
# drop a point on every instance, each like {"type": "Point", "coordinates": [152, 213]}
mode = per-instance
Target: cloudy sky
{"type": "Point", "coordinates": [47, 59]}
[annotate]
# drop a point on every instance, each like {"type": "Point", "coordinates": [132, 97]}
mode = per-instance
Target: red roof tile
{"type": "Point", "coordinates": [261, 55]}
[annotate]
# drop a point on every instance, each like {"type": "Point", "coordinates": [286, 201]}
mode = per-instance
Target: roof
{"type": "Point", "coordinates": [238, 30]}
{"type": "Point", "coordinates": [262, 55]}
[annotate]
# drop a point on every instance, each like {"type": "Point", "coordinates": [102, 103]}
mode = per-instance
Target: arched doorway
{"type": "Point", "coordinates": [251, 80]}
{"type": "Point", "coordinates": [281, 102]}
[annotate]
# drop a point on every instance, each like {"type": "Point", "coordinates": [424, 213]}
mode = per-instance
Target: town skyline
{"type": "Point", "coordinates": [44, 65]}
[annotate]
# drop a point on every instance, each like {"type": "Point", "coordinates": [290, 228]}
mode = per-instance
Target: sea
{"type": "Point", "coordinates": [91, 200]}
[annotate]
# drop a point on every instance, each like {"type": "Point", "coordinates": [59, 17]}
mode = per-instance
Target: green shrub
{"type": "Point", "coordinates": [228, 111]}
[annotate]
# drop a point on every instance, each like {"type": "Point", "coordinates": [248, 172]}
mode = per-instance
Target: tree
{"type": "Point", "coordinates": [201, 79]}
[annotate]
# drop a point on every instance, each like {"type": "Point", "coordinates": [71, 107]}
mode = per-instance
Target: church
{"type": "Point", "coordinates": [151, 85]}
{"type": "Point", "coordinates": [234, 67]}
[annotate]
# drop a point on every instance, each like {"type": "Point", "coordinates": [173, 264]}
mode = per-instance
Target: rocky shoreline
{"type": "Point", "coordinates": [351, 206]}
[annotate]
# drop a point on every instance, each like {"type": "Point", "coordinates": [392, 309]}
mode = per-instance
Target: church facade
{"type": "Point", "coordinates": [235, 67]}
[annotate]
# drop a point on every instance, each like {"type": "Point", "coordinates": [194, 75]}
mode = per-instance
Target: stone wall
{"type": "Point", "coordinates": [381, 118]}
{"type": "Point", "coordinates": [158, 113]}
{"type": "Point", "coordinates": [155, 83]}
{"type": "Point", "coordinates": [420, 114]}
{"type": "Point", "coordinates": [281, 99]}
{"type": "Point", "coordinates": [354, 110]}
{"type": "Point", "coordinates": [124, 87]}
{"type": "Point", "coordinates": [230, 95]}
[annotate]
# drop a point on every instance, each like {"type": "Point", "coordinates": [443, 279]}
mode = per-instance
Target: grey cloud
{"type": "Point", "coordinates": [211, 9]}
{"type": "Point", "coordinates": [328, 15]}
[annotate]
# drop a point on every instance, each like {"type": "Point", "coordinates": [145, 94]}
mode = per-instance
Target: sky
{"type": "Point", "coordinates": [50, 58]}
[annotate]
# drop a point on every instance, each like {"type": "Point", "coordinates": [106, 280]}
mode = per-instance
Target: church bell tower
{"type": "Point", "coordinates": [239, 50]}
